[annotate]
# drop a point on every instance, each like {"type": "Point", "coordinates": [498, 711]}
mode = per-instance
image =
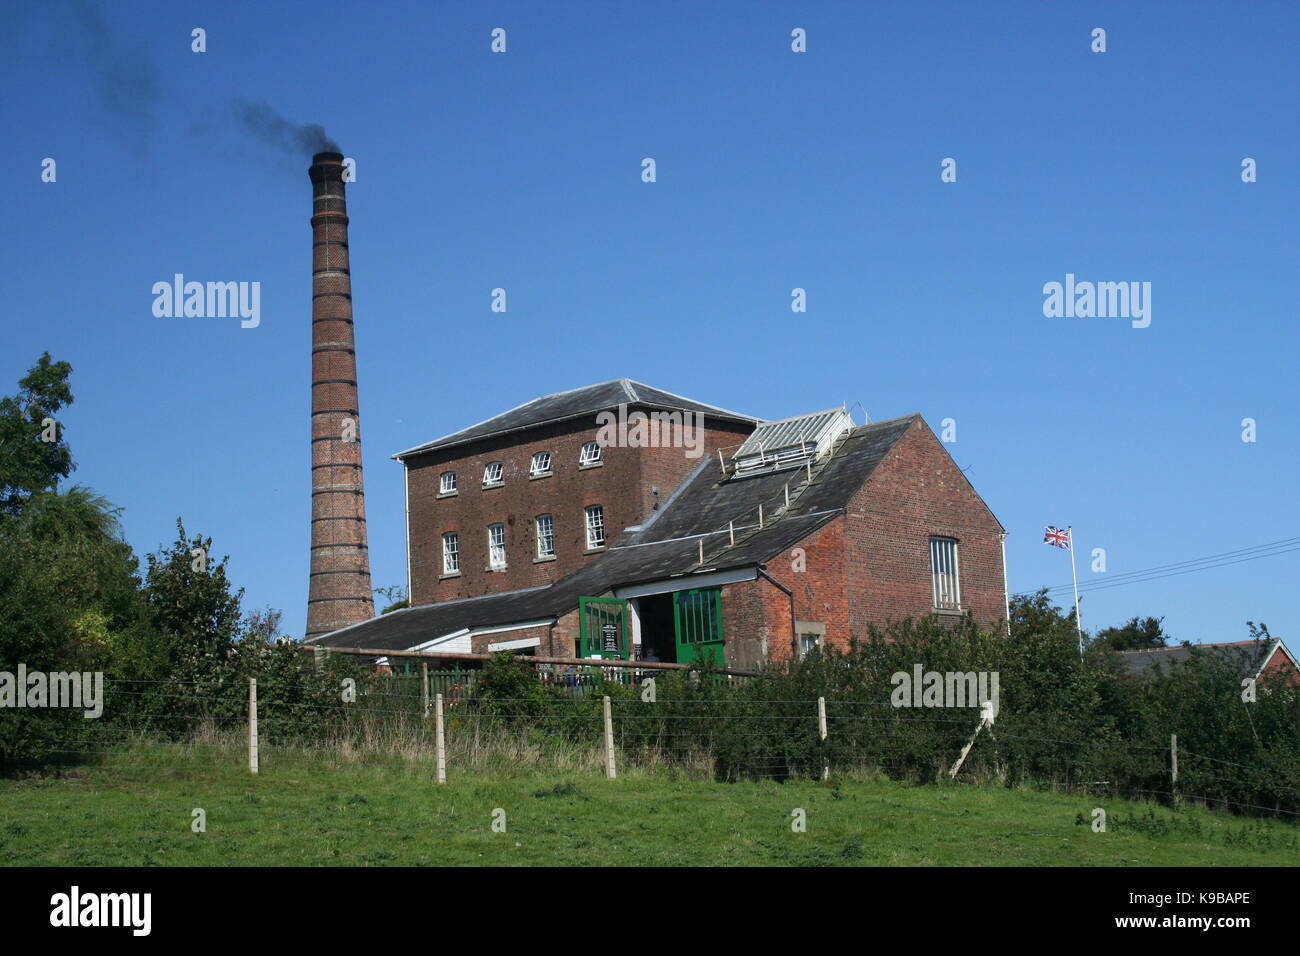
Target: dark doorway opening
{"type": "Point", "coordinates": [658, 634]}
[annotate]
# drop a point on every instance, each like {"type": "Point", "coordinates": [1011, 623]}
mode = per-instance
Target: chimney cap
{"type": "Point", "coordinates": [326, 157]}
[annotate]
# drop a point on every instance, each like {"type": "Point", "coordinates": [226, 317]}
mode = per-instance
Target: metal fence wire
{"type": "Point", "coordinates": [610, 720]}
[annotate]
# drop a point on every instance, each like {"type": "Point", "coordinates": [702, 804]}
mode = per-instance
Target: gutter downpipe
{"type": "Point", "coordinates": [1006, 594]}
{"type": "Point", "coordinates": [794, 636]}
{"type": "Point", "coordinates": [406, 481]}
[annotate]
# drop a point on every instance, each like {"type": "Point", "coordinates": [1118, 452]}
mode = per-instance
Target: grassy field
{"type": "Point", "coordinates": [136, 810]}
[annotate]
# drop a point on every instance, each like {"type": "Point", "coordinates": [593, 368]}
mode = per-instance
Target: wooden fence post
{"type": "Point", "coordinates": [1173, 767]}
{"type": "Point", "coordinates": [252, 725]}
{"type": "Point", "coordinates": [610, 771]}
{"type": "Point", "coordinates": [440, 739]}
{"type": "Point", "coordinates": [821, 729]}
{"type": "Point", "coordinates": [986, 720]}
{"type": "Point", "coordinates": [424, 686]}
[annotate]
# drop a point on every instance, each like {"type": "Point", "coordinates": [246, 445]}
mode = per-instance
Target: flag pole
{"type": "Point", "coordinates": [1078, 622]}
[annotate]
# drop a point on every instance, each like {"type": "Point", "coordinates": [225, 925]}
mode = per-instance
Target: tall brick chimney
{"type": "Point", "coordinates": [340, 561]}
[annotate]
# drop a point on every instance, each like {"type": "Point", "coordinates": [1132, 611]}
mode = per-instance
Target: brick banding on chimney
{"type": "Point", "coordinates": [339, 592]}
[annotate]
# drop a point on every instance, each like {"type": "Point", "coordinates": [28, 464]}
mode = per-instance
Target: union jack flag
{"type": "Point", "coordinates": [1057, 537]}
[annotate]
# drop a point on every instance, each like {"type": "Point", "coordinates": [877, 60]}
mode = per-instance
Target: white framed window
{"type": "Point", "coordinates": [541, 464]}
{"type": "Point", "coordinates": [451, 553]}
{"type": "Point", "coordinates": [945, 573]}
{"type": "Point", "coordinates": [545, 525]}
{"type": "Point", "coordinates": [492, 474]}
{"type": "Point", "coordinates": [496, 546]}
{"type": "Point", "coordinates": [595, 527]}
{"type": "Point", "coordinates": [808, 643]}
{"type": "Point", "coordinates": [590, 454]}
{"type": "Point", "coordinates": [446, 483]}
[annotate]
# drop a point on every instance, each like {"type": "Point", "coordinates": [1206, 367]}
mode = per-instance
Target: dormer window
{"type": "Point", "coordinates": [541, 465]}
{"type": "Point", "coordinates": [590, 454]}
{"type": "Point", "coordinates": [492, 474]}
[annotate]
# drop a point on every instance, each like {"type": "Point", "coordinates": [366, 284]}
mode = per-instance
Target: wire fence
{"type": "Point", "coordinates": [451, 725]}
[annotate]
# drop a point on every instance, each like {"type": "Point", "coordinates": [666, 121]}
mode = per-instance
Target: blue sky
{"type": "Point", "coordinates": [776, 170]}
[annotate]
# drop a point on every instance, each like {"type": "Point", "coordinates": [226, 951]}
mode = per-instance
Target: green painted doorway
{"type": "Point", "coordinates": [697, 621]}
{"type": "Point", "coordinates": [604, 628]}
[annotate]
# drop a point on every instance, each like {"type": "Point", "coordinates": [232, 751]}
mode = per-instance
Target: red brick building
{"type": "Point", "coordinates": [620, 519]}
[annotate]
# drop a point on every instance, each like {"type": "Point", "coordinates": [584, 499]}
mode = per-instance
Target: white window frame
{"type": "Point", "coordinates": [945, 573]}
{"type": "Point", "coordinates": [445, 486]}
{"type": "Point", "coordinates": [493, 473]}
{"type": "Point", "coordinates": [804, 647]}
{"type": "Point", "coordinates": [451, 555]}
{"type": "Point", "coordinates": [591, 454]}
{"type": "Point", "coordinates": [545, 528]}
{"type": "Point", "coordinates": [595, 522]}
{"type": "Point", "coordinates": [496, 546]}
{"type": "Point", "coordinates": [540, 465]}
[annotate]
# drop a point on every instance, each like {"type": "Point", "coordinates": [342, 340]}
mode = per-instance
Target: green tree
{"type": "Point", "coordinates": [262, 626]}
{"type": "Point", "coordinates": [1135, 634]}
{"type": "Point", "coordinates": [396, 596]}
{"type": "Point", "coordinates": [191, 602]}
{"type": "Point", "coordinates": [68, 602]}
{"type": "Point", "coordinates": [29, 461]}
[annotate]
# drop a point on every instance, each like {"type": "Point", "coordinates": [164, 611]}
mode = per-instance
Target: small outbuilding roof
{"type": "Point", "coordinates": [1247, 657]}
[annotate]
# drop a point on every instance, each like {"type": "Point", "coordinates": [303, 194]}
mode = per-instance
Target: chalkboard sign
{"type": "Point", "coordinates": [609, 634]}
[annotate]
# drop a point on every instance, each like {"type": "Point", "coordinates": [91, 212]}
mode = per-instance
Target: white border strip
{"type": "Point", "coordinates": [686, 582]}
{"type": "Point", "coordinates": [514, 645]}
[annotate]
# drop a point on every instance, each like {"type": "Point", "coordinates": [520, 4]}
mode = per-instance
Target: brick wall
{"type": "Point", "coordinates": [622, 485]}
{"type": "Point", "coordinates": [872, 566]}
{"type": "Point", "coordinates": [1279, 666]}
{"type": "Point", "coordinates": [916, 492]}
{"type": "Point", "coordinates": [756, 623]}
{"type": "Point", "coordinates": [756, 614]}
{"type": "Point", "coordinates": [563, 637]}
{"type": "Point", "coordinates": [479, 642]}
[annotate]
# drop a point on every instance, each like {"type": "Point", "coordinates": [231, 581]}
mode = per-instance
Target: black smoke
{"type": "Point", "coordinates": [128, 89]}
{"type": "Point", "coordinates": [265, 124]}
{"type": "Point", "coordinates": [123, 77]}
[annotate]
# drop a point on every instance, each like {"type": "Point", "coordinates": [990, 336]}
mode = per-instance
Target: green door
{"type": "Point", "coordinates": [603, 628]}
{"type": "Point", "coordinates": [697, 620]}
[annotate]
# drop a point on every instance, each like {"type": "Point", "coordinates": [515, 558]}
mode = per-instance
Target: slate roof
{"type": "Point", "coordinates": [1246, 656]}
{"type": "Point", "coordinates": [666, 545]}
{"type": "Point", "coordinates": [576, 403]}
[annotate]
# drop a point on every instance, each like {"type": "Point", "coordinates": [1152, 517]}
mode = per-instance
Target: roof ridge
{"type": "Point", "coordinates": [890, 421]}
{"type": "Point", "coordinates": [716, 408]}
{"type": "Point", "coordinates": [1188, 644]}
{"type": "Point", "coordinates": [475, 425]}
{"type": "Point", "coordinates": [627, 386]}
{"type": "Point", "coordinates": [502, 414]}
